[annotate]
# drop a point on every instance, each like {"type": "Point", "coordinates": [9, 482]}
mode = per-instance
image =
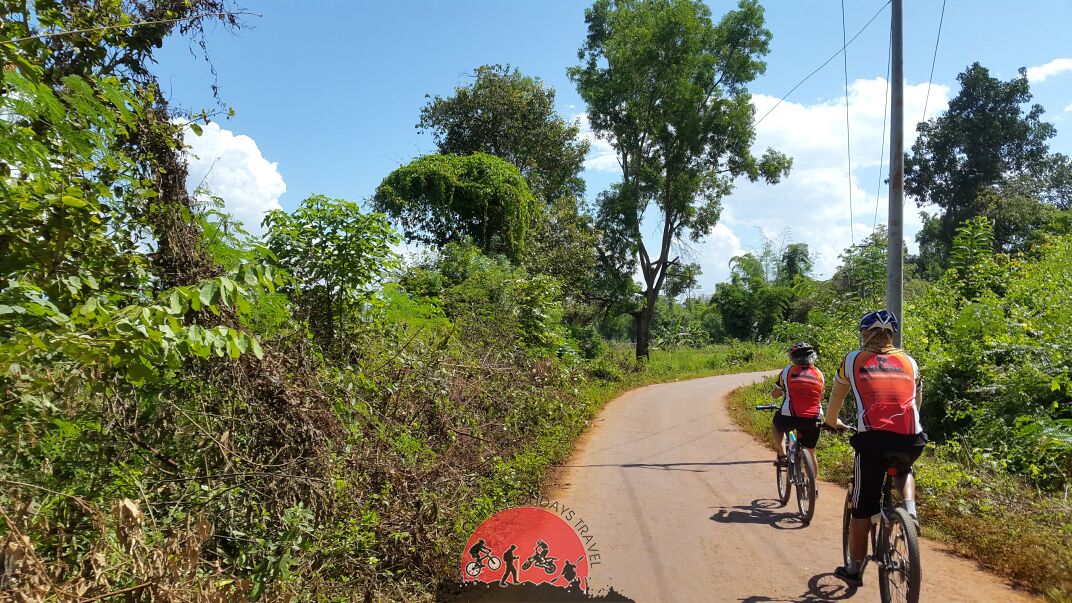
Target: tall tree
{"type": "Point", "coordinates": [984, 142]}
{"type": "Point", "coordinates": [512, 116]}
{"type": "Point", "coordinates": [668, 88]}
{"type": "Point", "coordinates": [795, 261]}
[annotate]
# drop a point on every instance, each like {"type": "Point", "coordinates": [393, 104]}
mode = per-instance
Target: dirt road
{"type": "Point", "coordinates": [679, 501]}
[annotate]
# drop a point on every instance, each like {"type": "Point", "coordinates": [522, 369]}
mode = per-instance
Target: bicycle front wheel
{"type": "Point", "coordinates": [806, 487]}
{"type": "Point", "coordinates": [899, 578]}
{"type": "Point", "coordinates": [781, 476]}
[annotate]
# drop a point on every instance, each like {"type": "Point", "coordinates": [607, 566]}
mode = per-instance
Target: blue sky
{"type": "Point", "coordinates": [329, 93]}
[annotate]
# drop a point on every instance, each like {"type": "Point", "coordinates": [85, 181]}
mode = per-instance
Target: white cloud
{"type": "Point", "coordinates": [1068, 109]}
{"type": "Point", "coordinates": [601, 155]}
{"type": "Point", "coordinates": [813, 202]}
{"type": "Point", "coordinates": [1040, 73]}
{"type": "Point", "coordinates": [233, 168]}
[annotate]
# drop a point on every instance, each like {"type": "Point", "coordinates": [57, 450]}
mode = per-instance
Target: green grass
{"type": "Point", "coordinates": [983, 514]}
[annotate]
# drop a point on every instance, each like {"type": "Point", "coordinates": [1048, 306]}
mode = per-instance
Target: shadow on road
{"type": "Point", "coordinates": [821, 587]}
{"type": "Point", "coordinates": [761, 511]}
{"type": "Point", "coordinates": [673, 466]}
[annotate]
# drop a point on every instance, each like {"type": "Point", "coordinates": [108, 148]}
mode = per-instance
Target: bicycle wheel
{"type": "Point", "coordinates": [494, 563]}
{"type": "Point", "coordinates": [899, 572]}
{"type": "Point", "coordinates": [806, 486]}
{"type": "Point", "coordinates": [782, 478]}
{"type": "Point", "coordinates": [473, 568]}
{"type": "Point", "coordinates": [846, 521]}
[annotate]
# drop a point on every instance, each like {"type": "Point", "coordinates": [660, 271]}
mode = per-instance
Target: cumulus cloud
{"type": "Point", "coordinates": [813, 202]}
{"type": "Point", "coordinates": [1040, 73]}
{"type": "Point", "coordinates": [1068, 109]}
{"type": "Point", "coordinates": [601, 155]}
{"type": "Point", "coordinates": [232, 167]}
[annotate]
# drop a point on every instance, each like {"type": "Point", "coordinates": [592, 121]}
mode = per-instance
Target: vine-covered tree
{"type": "Point", "coordinates": [668, 88]}
{"type": "Point", "coordinates": [512, 116]}
{"type": "Point", "coordinates": [440, 199]}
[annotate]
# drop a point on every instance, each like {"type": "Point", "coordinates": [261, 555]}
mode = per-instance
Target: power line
{"type": "Point", "coordinates": [882, 145]}
{"type": "Point", "coordinates": [826, 62]}
{"type": "Point", "coordinates": [934, 59]}
{"type": "Point", "coordinates": [848, 131]}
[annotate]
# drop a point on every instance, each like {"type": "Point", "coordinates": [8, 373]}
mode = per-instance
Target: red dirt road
{"type": "Point", "coordinates": [679, 502]}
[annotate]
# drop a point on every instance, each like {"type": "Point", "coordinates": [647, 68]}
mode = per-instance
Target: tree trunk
{"type": "Point", "coordinates": [643, 324]}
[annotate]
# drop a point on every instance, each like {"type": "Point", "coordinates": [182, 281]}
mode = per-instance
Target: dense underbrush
{"type": "Point", "coordinates": [980, 512]}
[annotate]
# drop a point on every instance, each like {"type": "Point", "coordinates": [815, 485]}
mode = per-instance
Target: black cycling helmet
{"type": "Point", "coordinates": [880, 319]}
{"type": "Point", "coordinates": [797, 348]}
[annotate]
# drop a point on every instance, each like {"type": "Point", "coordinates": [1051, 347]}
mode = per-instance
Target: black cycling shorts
{"type": "Point", "coordinates": [807, 429]}
{"type": "Point", "coordinates": [873, 457]}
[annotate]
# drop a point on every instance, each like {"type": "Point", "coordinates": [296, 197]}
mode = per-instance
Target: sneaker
{"type": "Point", "coordinates": [852, 579]}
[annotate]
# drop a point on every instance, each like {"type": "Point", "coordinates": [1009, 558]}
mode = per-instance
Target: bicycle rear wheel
{"type": "Point", "coordinates": [899, 572]}
{"type": "Point", "coordinates": [781, 476]}
{"type": "Point", "coordinates": [806, 486]}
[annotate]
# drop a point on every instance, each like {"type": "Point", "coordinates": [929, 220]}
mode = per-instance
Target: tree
{"type": "Point", "coordinates": [667, 87]}
{"type": "Point", "coordinates": [796, 261]}
{"type": "Point", "coordinates": [333, 254]}
{"type": "Point", "coordinates": [441, 199]}
{"type": "Point", "coordinates": [511, 116]}
{"type": "Point", "coordinates": [863, 266]}
{"type": "Point", "coordinates": [985, 141]}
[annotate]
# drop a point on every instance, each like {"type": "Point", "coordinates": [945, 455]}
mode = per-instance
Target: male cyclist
{"type": "Point", "coordinates": [800, 386]}
{"type": "Point", "coordinates": [885, 382]}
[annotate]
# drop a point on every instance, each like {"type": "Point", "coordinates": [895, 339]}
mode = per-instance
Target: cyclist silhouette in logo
{"type": "Point", "coordinates": [569, 574]}
{"type": "Point", "coordinates": [540, 559]}
{"type": "Point", "coordinates": [482, 557]}
{"type": "Point", "coordinates": [510, 558]}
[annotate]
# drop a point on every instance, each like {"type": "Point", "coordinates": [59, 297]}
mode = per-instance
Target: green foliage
{"type": "Point", "coordinates": [440, 199]}
{"type": "Point", "coordinates": [334, 255]}
{"type": "Point", "coordinates": [764, 291]}
{"type": "Point", "coordinates": [985, 141]}
{"type": "Point", "coordinates": [683, 152]}
{"type": "Point", "coordinates": [512, 116]}
{"type": "Point", "coordinates": [491, 299]}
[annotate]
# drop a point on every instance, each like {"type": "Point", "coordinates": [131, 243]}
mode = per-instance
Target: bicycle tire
{"type": "Point", "coordinates": [473, 569]}
{"type": "Point", "coordinates": [806, 487]}
{"type": "Point", "coordinates": [901, 529]}
{"type": "Point", "coordinates": [494, 563]}
{"type": "Point", "coordinates": [846, 522]}
{"type": "Point", "coordinates": [781, 479]}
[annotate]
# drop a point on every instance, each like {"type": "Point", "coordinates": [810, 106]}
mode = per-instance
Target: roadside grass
{"type": "Point", "coordinates": [977, 511]}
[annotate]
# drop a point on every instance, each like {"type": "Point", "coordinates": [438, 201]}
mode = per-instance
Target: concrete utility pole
{"type": "Point", "coordinates": [894, 259]}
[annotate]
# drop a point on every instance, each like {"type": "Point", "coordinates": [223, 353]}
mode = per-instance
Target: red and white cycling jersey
{"type": "Point", "coordinates": [885, 389]}
{"type": "Point", "coordinates": [803, 387]}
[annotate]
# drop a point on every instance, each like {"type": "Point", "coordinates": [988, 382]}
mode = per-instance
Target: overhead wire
{"type": "Point", "coordinates": [826, 62]}
{"type": "Point", "coordinates": [882, 145]}
{"type": "Point", "coordinates": [848, 130]}
{"type": "Point", "coordinates": [934, 59]}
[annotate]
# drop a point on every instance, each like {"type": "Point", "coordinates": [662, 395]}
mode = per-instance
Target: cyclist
{"type": "Point", "coordinates": [885, 382]}
{"type": "Point", "coordinates": [479, 551]}
{"type": "Point", "coordinates": [800, 385]}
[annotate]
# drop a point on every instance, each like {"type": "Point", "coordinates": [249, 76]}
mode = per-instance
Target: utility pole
{"type": "Point", "coordinates": [894, 259]}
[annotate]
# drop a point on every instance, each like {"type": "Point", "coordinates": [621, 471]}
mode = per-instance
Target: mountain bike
{"type": "Point", "coordinates": [798, 471]}
{"type": "Point", "coordinates": [473, 568]}
{"type": "Point", "coordinates": [894, 538]}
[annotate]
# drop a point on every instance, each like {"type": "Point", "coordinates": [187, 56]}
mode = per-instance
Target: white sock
{"type": "Point", "coordinates": [910, 506]}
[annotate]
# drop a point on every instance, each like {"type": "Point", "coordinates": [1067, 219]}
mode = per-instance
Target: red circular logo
{"type": "Point", "coordinates": [525, 544]}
